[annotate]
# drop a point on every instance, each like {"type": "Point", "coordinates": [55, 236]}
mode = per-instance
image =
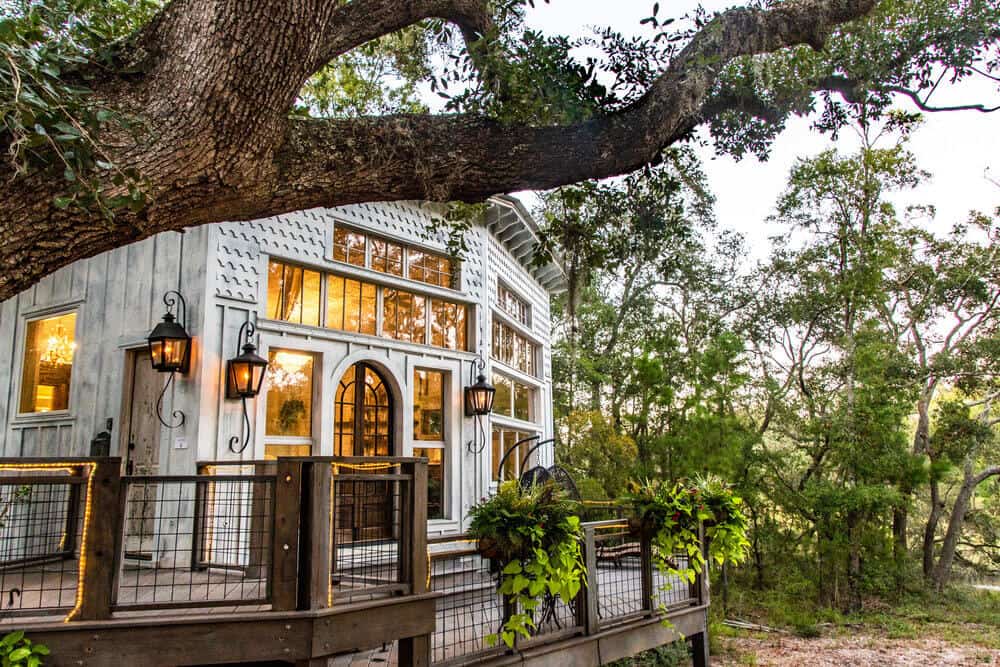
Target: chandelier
{"type": "Point", "coordinates": [59, 349]}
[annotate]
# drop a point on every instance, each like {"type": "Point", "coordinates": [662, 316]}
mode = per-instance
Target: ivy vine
{"type": "Point", "coordinates": [535, 536]}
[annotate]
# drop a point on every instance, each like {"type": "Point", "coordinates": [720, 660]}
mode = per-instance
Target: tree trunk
{"type": "Point", "coordinates": [930, 529]}
{"type": "Point", "coordinates": [970, 480]}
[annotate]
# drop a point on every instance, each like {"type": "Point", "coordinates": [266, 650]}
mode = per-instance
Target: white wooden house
{"type": "Point", "coordinates": [357, 296]}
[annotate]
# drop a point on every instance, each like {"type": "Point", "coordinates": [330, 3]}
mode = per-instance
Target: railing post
{"type": "Point", "coordinates": [415, 526]}
{"type": "Point", "coordinates": [99, 550]}
{"type": "Point", "coordinates": [646, 569]}
{"type": "Point", "coordinates": [587, 606]}
{"type": "Point", "coordinates": [317, 537]}
{"type": "Point", "coordinates": [415, 651]}
{"type": "Point", "coordinates": [284, 578]}
{"type": "Point", "coordinates": [261, 520]}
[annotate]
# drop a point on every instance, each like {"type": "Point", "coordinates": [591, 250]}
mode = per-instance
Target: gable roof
{"type": "Point", "coordinates": [512, 225]}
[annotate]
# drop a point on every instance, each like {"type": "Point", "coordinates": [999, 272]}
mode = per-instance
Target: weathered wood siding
{"type": "Point", "coordinates": [118, 298]}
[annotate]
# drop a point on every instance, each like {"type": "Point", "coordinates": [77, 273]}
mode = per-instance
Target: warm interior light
{"type": "Point", "coordinates": [59, 349]}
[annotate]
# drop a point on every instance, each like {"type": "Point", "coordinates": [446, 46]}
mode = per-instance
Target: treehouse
{"type": "Point", "coordinates": [258, 441]}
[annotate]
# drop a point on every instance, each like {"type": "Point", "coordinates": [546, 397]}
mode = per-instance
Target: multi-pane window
{"type": "Point", "coordinates": [513, 305]}
{"type": "Point", "coordinates": [404, 316]}
{"type": "Point", "coordinates": [430, 268]}
{"type": "Point", "coordinates": [505, 442]}
{"type": "Point", "coordinates": [513, 399]}
{"type": "Point", "coordinates": [49, 348]}
{"type": "Point", "coordinates": [448, 325]}
{"type": "Point", "coordinates": [428, 434]}
{"type": "Point", "coordinates": [397, 259]}
{"type": "Point", "coordinates": [513, 349]}
{"type": "Point", "coordinates": [387, 256]}
{"type": "Point", "coordinates": [349, 246]}
{"type": "Point", "coordinates": [292, 293]}
{"type": "Point", "coordinates": [350, 305]}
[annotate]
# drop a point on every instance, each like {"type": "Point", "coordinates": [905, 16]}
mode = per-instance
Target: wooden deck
{"type": "Point", "coordinates": [148, 586]}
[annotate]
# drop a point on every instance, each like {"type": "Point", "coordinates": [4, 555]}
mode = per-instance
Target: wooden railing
{"type": "Point", "coordinates": [623, 586]}
{"type": "Point", "coordinates": [80, 540]}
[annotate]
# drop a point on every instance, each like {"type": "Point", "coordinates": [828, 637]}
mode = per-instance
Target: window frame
{"type": "Point", "coordinates": [463, 333]}
{"type": "Point", "coordinates": [503, 287]}
{"type": "Point", "coordinates": [317, 394]}
{"type": "Point", "coordinates": [442, 445]}
{"type": "Point", "coordinates": [502, 320]}
{"type": "Point", "coordinates": [22, 348]}
{"type": "Point", "coordinates": [534, 414]}
{"type": "Point", "coordinates": [406, 248]}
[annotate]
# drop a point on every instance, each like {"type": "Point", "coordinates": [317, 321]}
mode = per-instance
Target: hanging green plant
{"type": "Point", "coordinates": [671, 514]}
{"type": "Point", "coordinates": [534, 534]}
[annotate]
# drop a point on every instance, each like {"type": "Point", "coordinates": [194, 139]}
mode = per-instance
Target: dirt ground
{"type": "Point", "coordinates": [859, 650]}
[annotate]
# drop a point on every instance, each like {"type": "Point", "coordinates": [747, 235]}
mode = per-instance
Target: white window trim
{"type": "Point", "coordinates": [529, 309]}
{"type": "Point", "coordinates": [22, 341]}
{"type": "Point", "coordinates": [317, 395]}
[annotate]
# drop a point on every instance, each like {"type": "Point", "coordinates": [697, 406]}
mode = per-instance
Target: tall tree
{"type": "Point", "coordinates": [125, 119]}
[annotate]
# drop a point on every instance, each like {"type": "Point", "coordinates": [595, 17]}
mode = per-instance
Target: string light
{"type": "Point", "coordinates": [70, 468]}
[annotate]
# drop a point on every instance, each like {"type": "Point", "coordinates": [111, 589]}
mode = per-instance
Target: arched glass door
{"type": "Point", "coordinates": [363, 414]}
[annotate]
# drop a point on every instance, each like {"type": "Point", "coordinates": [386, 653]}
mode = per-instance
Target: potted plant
{"type": "Point", "coordinates": [670, 516]}
{"type": "Point", "coordinates": [533, 534]}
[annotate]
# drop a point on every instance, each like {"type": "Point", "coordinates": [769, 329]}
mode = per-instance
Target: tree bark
{"type": "Point", "coordinates": [930, 528]}
{"type": "Point", "coordinates": [970, 480]}
{"type": "Point", "coordinates": [212, 83]}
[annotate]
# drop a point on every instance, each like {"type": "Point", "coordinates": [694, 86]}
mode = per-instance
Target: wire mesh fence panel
{"type": "Point", "coordinates": [470, 608]}
{"type": "Point", "coordinates": [195, 541]}
{"type": "Point", "coordinates": [619, 575]}
{"type": "Point", "coordinates": [368, 533]}
{"type": "Point", "coordinates": [41, 524]}
{"type": "Point", "coordinates": [670, 590]}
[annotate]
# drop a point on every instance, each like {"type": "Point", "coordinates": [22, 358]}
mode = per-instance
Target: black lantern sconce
{"type": "Point", "coordinates": [244, 377]}
{"type": "Point", "coordinates": [170, 350]}
{"type": "Point", "coordinates": [479, 403]}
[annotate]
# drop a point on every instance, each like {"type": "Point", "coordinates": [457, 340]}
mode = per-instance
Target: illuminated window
{"type": "Point", "coordinates": [387, 257]}
{"type": "Point", "coordinates": [448, 325]}
{"type": "Point", "coordinates": [513, 399]}
{"type": "Point", "coordinates": [49, 347]}
{"type": "Point", "coordinates": [504, 441]}
{"type": "Point", "coordinates": [293, 293]}
{"type": "Point", "coordinates": [349, 246]}
{"type": "Point", "coordinates": [428, 431]}
{"type": "Point", "coordinates": [350, 305]}
{"type": "Point", "coordinates": [512, 349]}
{"type": "Point", "coordinates": [289, 394]}
{"type": "Point", "coordinates": [430, 268]}
{"type": "Point", "coordinates": [513, 305]}
{"type": "Point", "coordinates": [404, 316]}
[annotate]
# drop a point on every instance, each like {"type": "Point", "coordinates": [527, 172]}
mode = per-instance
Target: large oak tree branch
{"type": "Point", "coordinates": [213, 82]}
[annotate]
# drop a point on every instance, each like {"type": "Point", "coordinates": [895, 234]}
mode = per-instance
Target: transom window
{"type": "Point", "coordinates": [513, 305]}
{"type": "Point", "coordinates": [513, 349]}
{"type": "Point", "coordinates": [428, 434]}
{"type": "Point", "coordinates": [513, 399]}
{"type": "Point", "coordinates": [294, 295]}
{"type": "Point", "coordinates": [397, 259]}
{"type": "Point", "coordinates": [49, 349]}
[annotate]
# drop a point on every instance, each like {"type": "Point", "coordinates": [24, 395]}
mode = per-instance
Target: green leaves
{"type": "Point", "coordinates": [52, 121]}
{"type": "Point", "coordinates": [16, 650]}
{"type": "Point", "coordinates": [538, 539]}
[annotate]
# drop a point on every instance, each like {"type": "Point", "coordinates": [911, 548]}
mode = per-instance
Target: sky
{"type": "Point", "coordinates": [955, 147]}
